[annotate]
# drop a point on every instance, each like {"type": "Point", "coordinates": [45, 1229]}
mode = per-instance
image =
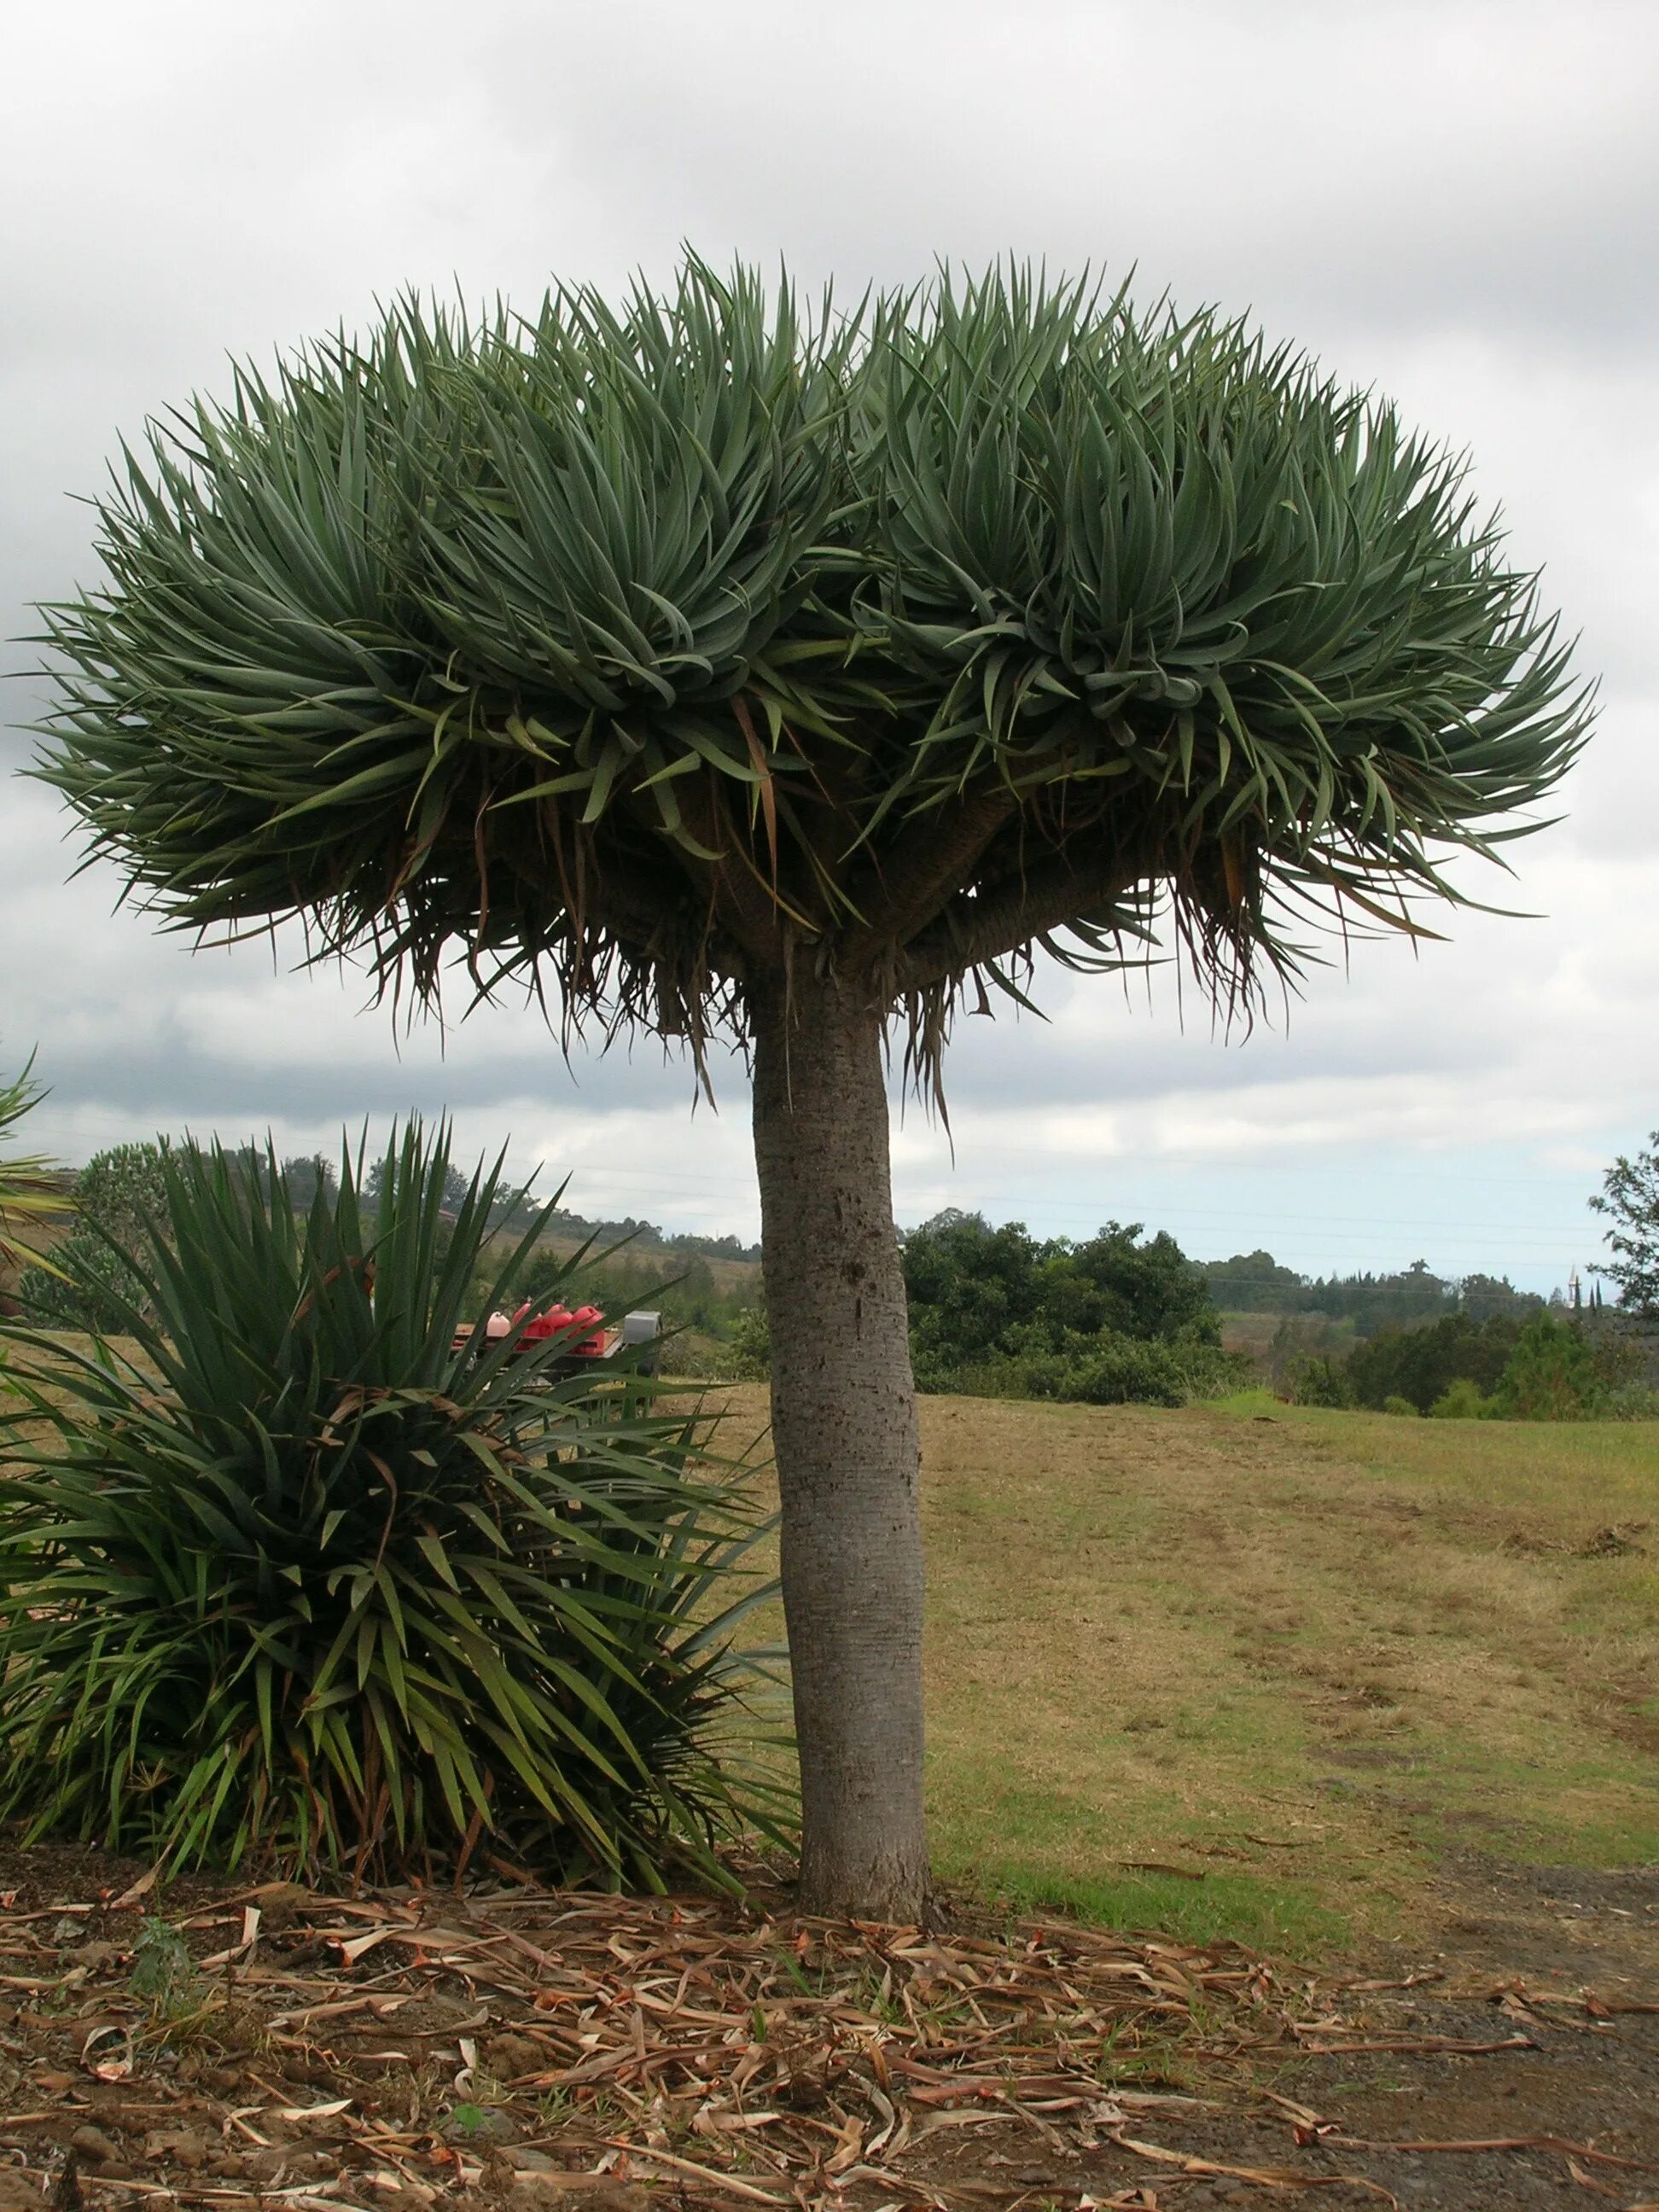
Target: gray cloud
{"type": "Point", "coordinates": [1458, 201]}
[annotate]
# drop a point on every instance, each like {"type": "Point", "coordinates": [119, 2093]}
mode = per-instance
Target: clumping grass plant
{"type": "Point", "coordinates": [287, 1580]}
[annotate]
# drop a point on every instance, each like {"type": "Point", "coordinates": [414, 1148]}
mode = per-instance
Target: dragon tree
{"type": "Point", "coordinates": [719, 667]}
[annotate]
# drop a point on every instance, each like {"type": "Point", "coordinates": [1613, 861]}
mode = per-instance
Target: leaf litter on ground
{"type": "Point", "coordinates": [272, 2045]}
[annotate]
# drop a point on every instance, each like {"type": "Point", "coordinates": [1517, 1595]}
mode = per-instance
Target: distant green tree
{"type": "Point", "coordinates": [1484, 1297]}
{"type": "Point", "coordinates": [1116, 1317]}
{"type": "Point", "coordinates": [751, 1343]}
{"type": "Point", "coordinates": [305, 1173]}
{"type": "Point", "coordinates": [120, 1195]}
{"type": "Point", "coordinates": [1253, 1282]}
{"type": "Point", "coordinates": [1378, 1301]}
{"type": "Point", "coordinates": [1551, 1374]}
{"type": "Point", "coordinates": [1310, 1380]}
{"type": "Point", "coordinates": [1118, 1282]}
{"type": "Point", "coordinates": [967, 1284]}
{"type": "Point", "coordinates": [1421, 1363]}
{"type": "Point", "coordinates": [1629, 1196]}
{"type": "Point", "coordinates": [457, 1182]}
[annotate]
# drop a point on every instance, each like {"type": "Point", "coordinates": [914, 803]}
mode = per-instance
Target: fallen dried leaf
{"type": "Point", "coordinates": [107, 2053]}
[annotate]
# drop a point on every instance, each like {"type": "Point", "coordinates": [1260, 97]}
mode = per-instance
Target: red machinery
{"type": "Point", "coordinates": [587, 1338]}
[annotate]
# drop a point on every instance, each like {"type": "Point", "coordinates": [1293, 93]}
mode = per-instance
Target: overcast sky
{"type": "Point", "coordinates": [1455, 202]}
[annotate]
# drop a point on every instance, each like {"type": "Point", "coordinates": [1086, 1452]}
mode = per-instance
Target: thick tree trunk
{"type": "Point", "coordinates": [844, 1425]}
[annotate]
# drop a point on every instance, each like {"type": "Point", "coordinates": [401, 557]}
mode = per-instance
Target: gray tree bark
{"type": "Point", "coordinates": [844, 1429]}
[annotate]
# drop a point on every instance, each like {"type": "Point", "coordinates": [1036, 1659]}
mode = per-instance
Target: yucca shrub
{"type": "Point", "coordinates": [284, 1579]}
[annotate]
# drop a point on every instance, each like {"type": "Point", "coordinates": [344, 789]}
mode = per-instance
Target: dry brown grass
{"type": "Point", "coordinates": [1298, 1656]}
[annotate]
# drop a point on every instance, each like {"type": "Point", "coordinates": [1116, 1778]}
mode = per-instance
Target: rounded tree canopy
{"type": "Point", "coordinates": [656, 649]}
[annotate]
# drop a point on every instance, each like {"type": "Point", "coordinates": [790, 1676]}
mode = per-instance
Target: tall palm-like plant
{"type": "Point", "coordinates": [719, 668]}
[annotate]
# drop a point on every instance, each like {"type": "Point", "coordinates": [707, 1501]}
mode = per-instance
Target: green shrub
{"type": "Point", "coordinates": [1098, 1371]}
{"type": "Point", "coordinates": [91, 1284]}
{"type": "Point", "coordinates": [1119, 1318]}
{"type": "Point", "coordinates": [1396, 1404]}
{"type": "Point", "coordinates": [292, 1581]}
{"type": "Point", "coordinates": [1461, 1400]}
{"type": "Point", "coordinates": [750, 1345]}
{"type": "Point", "coordinates": [1421, 1363]}
{"type": "Point", "coordinates": [1628, 1401]}
{"type": "Point", "coordinates": [979, 1296]}
{"type": "Point", "coordinates": [1551, 1375]}
{"type": "Point", "coordinates": [1310, 1381]}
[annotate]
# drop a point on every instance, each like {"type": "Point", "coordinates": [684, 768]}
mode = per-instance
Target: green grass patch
{"type": "Point", "coordinates": [1233, 1908]}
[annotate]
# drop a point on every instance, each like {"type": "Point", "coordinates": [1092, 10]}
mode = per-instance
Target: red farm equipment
{"type": "Point", "coordinates": [589, 1342]}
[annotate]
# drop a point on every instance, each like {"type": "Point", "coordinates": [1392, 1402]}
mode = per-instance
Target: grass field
{"type": "Point", "coordinates": [1267, 1672]}
{"type": "Point", "coordinates": [1253, 1670]}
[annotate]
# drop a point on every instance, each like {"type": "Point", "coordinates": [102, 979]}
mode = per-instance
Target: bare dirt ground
{"type": "Point", "coordinates": [520, 2049]}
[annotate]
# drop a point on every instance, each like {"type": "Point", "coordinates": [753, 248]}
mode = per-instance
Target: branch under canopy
{"type": "Point", "coordinates": [644, 651]}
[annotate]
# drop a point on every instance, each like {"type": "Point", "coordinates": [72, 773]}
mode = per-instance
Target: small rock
{"type": "Point", "coordinates": [1034, 2177]}
{"type": "Point", "coordinates": [92, 2142]}
{"type": "Point", "coordinates": [228, 2166]}
{"type": "Point", "coordinates": [530, 2161]}
{"type": "Point", "coordinates": [182, 2145]}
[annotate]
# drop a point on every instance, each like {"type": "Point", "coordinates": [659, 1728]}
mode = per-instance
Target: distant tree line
{"type": "Point", "coordinates": [1254, 1282]}
{"type": "Point", "coordinates": [1550, 1367]}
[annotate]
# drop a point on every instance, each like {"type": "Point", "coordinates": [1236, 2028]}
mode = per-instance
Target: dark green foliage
{"type": "Point", "coordinates": [987, 617]}
{"type": "Point", "coordinates": [1420, 1364]}
{"type": "Point", "coordinates": [1551, 1374]}
{"type": "Point", "coordinates": [306, 1175]}
{"type": "Point", "coordinates": [967, 1285]}
{"type": "Point", "coordinates": [119, 1195]}
{"type": "Point", "coordinates": [1629, 1197]}
{"type": "Point", "coordinates": [1253, 1282]}
{"type": "Point", "coordinates": [1377, 1302]}
{"type": "Point", "coordinates": [292, 1581]}
{"type": "Point", "coordinates": [1310, 1380]}
{"type": "Point", "coordinates": [1107, 1369]}
{"type": "Point", "coordinates": [998, 1312]}
{"type": "Point", "coordinates": [1488, 1298]}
